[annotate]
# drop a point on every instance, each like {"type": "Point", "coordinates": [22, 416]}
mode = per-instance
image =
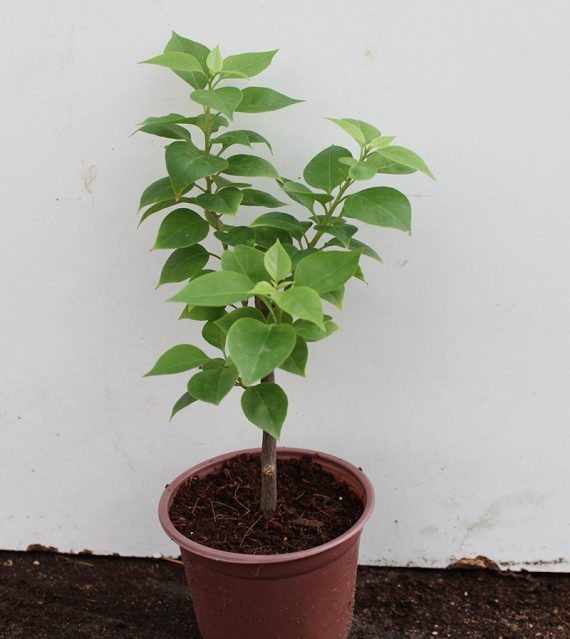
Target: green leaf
{"type": "Point", "coordinates": [215, 289]}
{"type": "Point", "coordinates": [214, 335]}
{"type": "Point", "coordinates": [221, 182]}
{"type": "Point", "coordinates": [382, 206]}
{"type": "Point", "coordinates": [264, 288]}
{"type": "Point", "coordinates": [256, 138]}
{"type": "Point", "coordinates": [213, 384]}
{"type": "Point", "coordinates": [198, 50]}
{"type": "Point", "coordinates": [155, 208]}
{"type": "Point", "coordinates": [181, 403]}
{"type": "Point", "coordinates": [362, 170]}
{"type": "Point", "coordinates": [265, 405]}
{"type": "Point", "coordinates": [236, 235]}
{"type": "Point", "coordinates": [171, 118]}
{"type": "Point", "coordinates": [326, 270]}
{"type": "Point", "coordinates": [405, 157]}
{"type": "Point", "coordinates": [278, 220]}
{"type": "Point", "coordinates": [312, 333]}
{"type": "Point", "coordinates": [335, 297]}
{"type": "Point", "coordinates": [383, 165]}
{"type": "Point", "coordinates": [215, 363]}
{"type": "Point", "coordinates": [245, 260]}
{"type": "Point", "coordinates": [296, 363]}
{"type": "Point", "coordinates": [225, 201]}
{"type": "Point", "coordinates": [359, 275]}
{"type": "Point", "coordinates": [266, 236]}
{"type": "Point", "coordinates": [166, 120]}
{"type": "Point", "coordinates": [242, 136]}
{"type": "Point", "coordinates": [261, 100]}
{"type": "Point", "coordinates": [325, 171]}
{"type": "Point", "coordinates": [177, 61]}
{"type": "Point", "coordinates": [172, 131]}
{"type": "Point", "coordinates": [277, 262]}
{"type": "Point", "coordinates": [247, 64]}
{"type": "Point", "coordinates": [212, 124]}
{"type": "Point", "coordinates": [183, 264]}
{"type": "Point", "coordinates": [186, 164]}
{"type": "Point", "coordinates": [254, 197]}
{"type": "Point", "coordinates": [357, 245]}
{"type": "Point", "coordinates": [229, 319]}
{"type": "Point", "coordinates": [382, 141]}
{"type": "Point", "coordinates": [178, 359]}
{"type": "Point", "coordinates": [250, 166]}
{"type": "Point", "coordinates": [181, 228]}
{"type": "Point", "coordinates": [214, 60]}
{"type": "Point", "coordinates": [299, 255]}
{"type": "Point", "coordinates": [229, 138]}
{"type": "Point", "coordinates": [361, 131]}
{"type": "Point", "coordinates": [342, 232]}
{"type": "Point", "coordinates": [159, 191]}
{"type": "Point", "coordinates": [202, 313]}
{"type": "Point", "coordinates": [302, 302]}
{"type": "Point", "coordinates": [224, 100]}
{"type": "Point", "coordinates": [257, 348]}
{"type": "Point", "coordinates": [303, 195]}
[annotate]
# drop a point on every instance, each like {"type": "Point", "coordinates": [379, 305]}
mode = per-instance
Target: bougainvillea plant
{"type": "Point", "coordinates": [260, 293]}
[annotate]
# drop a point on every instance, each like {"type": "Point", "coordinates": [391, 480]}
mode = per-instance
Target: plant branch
{"type": "Point", "coordinates": [268, 452]}
{"type": "Point", "coordinates": [329, 212]}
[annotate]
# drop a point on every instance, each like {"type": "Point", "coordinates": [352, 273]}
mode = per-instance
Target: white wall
{"type": "Point", "coordinates": [449, 382]}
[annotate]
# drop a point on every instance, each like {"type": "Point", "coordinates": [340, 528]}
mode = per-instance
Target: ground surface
{"type": "Point", "coordinates": [50, 596]}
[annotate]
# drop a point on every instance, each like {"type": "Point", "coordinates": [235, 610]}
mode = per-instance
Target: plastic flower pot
{"type": "Point", "coordinates": [300, 595]}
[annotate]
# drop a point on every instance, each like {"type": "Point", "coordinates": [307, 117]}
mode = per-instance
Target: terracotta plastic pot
{"type": "Point", "coordinates": [301, 595]}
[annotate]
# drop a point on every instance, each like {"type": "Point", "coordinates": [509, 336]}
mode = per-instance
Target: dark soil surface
{"type": "Point", "coordinates": [51, 596]}
{"type": "Point", "coordinates": [222, 511]}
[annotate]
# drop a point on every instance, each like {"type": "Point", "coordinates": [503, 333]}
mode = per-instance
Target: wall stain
{"type": "Point", "coordinates": [89, 175]}
{"type": "Point", "coordinates": [536, 563]}
{"type": "Point", "coordinates": [500, 507]}
{"type": "Point", "coordinates": [66, 56]}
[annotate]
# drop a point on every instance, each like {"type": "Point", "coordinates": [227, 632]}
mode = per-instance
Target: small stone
{"type": "Point", "coordinates": [8, 563]}
{"type": "Point", "coordinates": [36, 562]}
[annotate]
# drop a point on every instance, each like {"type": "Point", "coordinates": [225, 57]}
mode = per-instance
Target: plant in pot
{"type": "Point", "coordinates": [269, 537]}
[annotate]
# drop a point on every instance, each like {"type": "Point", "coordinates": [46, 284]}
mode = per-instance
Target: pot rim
{"type": "Point", "coordinates": [239, 558]}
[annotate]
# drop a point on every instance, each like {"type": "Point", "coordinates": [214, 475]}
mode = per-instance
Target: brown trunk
{"type": "Point", "coordinates": [268, 455]}
{"type": "Point", "coordinates": [268, 470]}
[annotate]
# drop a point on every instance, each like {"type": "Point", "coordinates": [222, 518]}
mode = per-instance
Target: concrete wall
{"type": "Point", "coordinates": [449, 382]}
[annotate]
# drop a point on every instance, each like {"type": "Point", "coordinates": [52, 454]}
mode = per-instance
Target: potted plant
{"type": "Point", "coordinates": [269, 537]}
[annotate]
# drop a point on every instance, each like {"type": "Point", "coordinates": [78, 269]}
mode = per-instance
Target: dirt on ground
{"type": "Point", "coordinates": [53, 596]}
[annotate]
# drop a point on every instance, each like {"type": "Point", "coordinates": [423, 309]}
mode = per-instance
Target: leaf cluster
{"type": "Point", "coordinates": [260, 296]}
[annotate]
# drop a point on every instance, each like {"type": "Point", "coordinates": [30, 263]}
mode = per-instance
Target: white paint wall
{"type": "Point", "coordinates": [449, 383]}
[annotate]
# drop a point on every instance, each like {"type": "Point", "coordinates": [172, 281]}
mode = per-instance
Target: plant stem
{"type": "Point", "coordinates": [268, 503]}
{"type": "Point", "coordinates": [268, 470]}
{"type": "Point", "coordinates": [364, 154]}
{"type": "Point", "coordinates": [347, 183]}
